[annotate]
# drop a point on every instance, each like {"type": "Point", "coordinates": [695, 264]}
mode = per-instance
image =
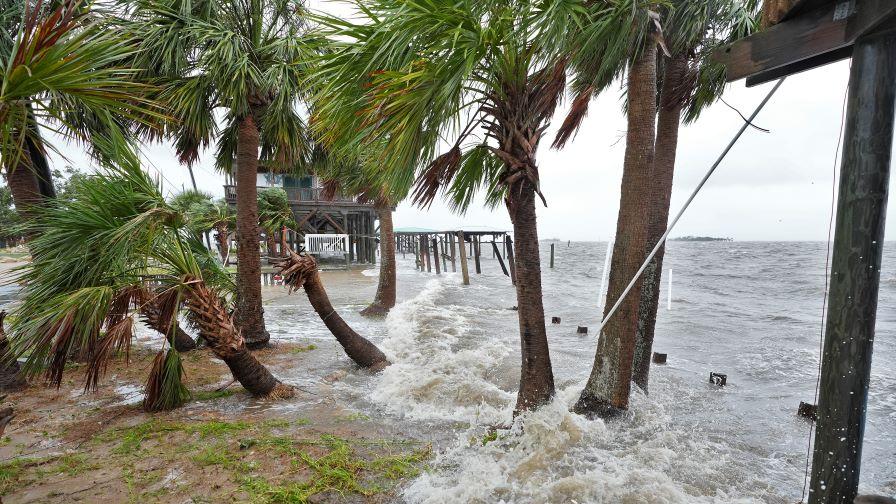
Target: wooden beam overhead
{"type": "Point", "coordinates": [811, 38]}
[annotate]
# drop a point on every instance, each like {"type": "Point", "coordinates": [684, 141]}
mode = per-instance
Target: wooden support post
{"type": "Point", "coordinates": [510, 259]}
{"type": "Point", "coordinates": [453, 253]}
{"type": "Point", "coordinates": [475, 239]}
{"type": "Point", "coordinates": [418, 253]}
{"type": "Point", "coordinates": [424, 244]}
{"type": "Point", "coordinates": [552, 256]}
{"type": "Point", "coordinates": [855, 272]}
{"type": "Point", "coordinates": [444, 248]}
{"type": "Point", "coordinates": [463, 258]}
{"type": "Point", "coordinates": [435, 253]}
{"type": "Point", "coordinates": [500, 260]}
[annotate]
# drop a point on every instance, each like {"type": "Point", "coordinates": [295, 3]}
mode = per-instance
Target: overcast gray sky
{"type": "Point", "coordinates": [772, 186]}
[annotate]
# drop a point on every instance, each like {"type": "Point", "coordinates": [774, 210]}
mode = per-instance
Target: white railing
{"type": "Point", "coordinates": [326, 244]}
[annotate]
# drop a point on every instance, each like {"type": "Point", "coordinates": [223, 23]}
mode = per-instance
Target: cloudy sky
{"type": "Point", "coordinates": [772, 186]}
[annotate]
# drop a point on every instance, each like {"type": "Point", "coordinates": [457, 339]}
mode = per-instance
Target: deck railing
{"type": "Point", "coordinates": [326, 244]}
{"type": "Point", "coordinates": [294, 194]}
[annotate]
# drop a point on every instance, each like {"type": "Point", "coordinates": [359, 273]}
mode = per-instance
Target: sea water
{"type": "Point", "coordinates": [749, 310]}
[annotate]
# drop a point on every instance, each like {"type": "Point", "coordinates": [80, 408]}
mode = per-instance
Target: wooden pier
{"type": "Point", "coordinates": [438, 250]}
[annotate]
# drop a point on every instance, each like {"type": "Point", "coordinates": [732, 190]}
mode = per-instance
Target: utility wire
{"type": "Point", "coordinates": [748, 123]}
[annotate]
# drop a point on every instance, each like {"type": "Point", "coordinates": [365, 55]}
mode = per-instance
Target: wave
{"type": "Point", "coordinates": [552, 455]}
{"type": "Point", "coordinates": [442, 364]}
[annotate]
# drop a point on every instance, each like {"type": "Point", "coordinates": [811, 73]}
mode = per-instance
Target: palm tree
{"type": "Point", "coordinates": [247, 58]}
{"type": "Point", "coordinates": [635, 32]}
{"type": "Point", "coordinates": [300, 271]}
{"type": "Point", "coordinates": [63, 68]}
{"type": "Point", "coordinates": [690, 82]}
{"type": "Point", "coordinates": [409, 73]}
{"type": "Point", "coordinates": [96, 256]}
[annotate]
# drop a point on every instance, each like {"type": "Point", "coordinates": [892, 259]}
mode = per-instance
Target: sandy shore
{"type": "Point", "coordinates": [224, 446]}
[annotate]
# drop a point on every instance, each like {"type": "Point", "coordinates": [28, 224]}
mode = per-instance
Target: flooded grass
{"type": "Point", "coordinates": [215, 449]}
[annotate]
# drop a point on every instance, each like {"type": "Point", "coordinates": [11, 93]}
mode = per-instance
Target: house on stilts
{"type": "Point", "coordinates": [341, 228]}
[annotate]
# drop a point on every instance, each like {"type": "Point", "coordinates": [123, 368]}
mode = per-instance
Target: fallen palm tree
{"type": "Point", "coordinates": [300, 271]}
{"type": "Point", "coordinates": [86, 287]}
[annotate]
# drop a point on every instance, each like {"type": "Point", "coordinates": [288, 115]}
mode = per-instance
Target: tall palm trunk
{"type": "Point", "coordinates": [24, 186]}
{"type": "Point", "coordinates": [385, 290]}
{"type": "Point", "coordinates": [30, 180]}
{"type": "Point", "coordinates": [223, 238]}
{"type": "Point", "coordinates": [607, 392]}
{"type": "Point", "coordinates": [272, 245]}
{"type": "Point", "coordinates": [216, 327]}
{"type": "Point", "coordinates": [536, 374]}
{"type": "Point", "coordinates": [300, 271]}
{"type": "Point", "coordinates": [249, 313]}
{"type": "Point", "coordinates": [283, 241]}
{"type": "Point", "coordinates": [659, 199]}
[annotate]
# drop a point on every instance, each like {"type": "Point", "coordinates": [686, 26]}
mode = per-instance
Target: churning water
{"type": "Point", "coordinates": [750, 310]}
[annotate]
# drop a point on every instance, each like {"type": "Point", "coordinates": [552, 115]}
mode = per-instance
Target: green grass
{"type": "Point", "coordinates": [73, 464]}
{"type": "Point", "coordinates": [217, 455]}
{"type": "Point", "coordinates": [303, 349]}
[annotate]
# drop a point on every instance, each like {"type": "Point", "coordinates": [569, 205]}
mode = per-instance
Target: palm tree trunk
{"type": "Point", "coordinates": [152, 315]}
{"type": "Point", "coordinates": [536, 374]}
{"type": "Point", "coordinates": [249, 313]}
{"type": "Point", "coordinates": [216, 327]}
{"type": "Point", "coordinates": [221, 235]}
{"type": "Point", "coordinates": [659, 200]}
{"type": "Point", "coordinates": [10, 376]}
{"type": "Point", "coordinates": [283, 242]}
{"type": "Point", "coordinates": [272, 245]}
{"type": "Point", "coordinates": [25, 189]}
{"type": "Point", "coordinates": [301, 271]}
{"type": "Point", "coordinates": [385, 290]}
{"type": "Point", "coordinates": [607, 392]}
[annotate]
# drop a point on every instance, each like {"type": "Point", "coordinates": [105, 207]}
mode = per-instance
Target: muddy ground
{"type": "Point", "coordinates": [224, 446]}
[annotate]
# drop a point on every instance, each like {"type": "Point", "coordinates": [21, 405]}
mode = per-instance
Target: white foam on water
{"type": "Point", "coordinates": [436, 372]}
{"type": "Point", "coordinates": [372, 272]}
{"type": "Point", "coordinates": [553, 455]}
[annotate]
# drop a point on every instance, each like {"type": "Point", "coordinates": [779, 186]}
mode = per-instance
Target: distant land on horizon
{"type": "Point", "coordinates": [701, 239]}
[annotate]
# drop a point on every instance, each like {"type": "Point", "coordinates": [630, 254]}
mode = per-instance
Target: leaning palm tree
{"type": "Point", "coordinates": [63, 68]}
{"type": "Point", "coordinates": [104, 255]}
{"type": "Point", "coordinates": [247, 59]}
{"type": "Point", "coordinates": [689, 82]}
{"type": "Point", "coordinates": [300, 272]}
{"type": "Point", "coordinates": [486, 74]}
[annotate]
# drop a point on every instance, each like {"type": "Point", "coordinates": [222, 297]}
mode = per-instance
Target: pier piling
{"type": "Point", "coordinates": [463, 258]}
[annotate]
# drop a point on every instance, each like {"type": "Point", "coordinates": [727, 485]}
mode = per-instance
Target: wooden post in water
{"type": "Point", "coordinates": [435, 253]}
{"type": "Point", "coordinates": [463, 258]}
{"type": "Point", "coordinates": [855, 272]}
{"type": "Point", "coordinates": [451, 237]}
{"type": "Point", "coordinates": [552, 256]}
{"type": "Point", "coordinates": [510, 259]}
{"type": "Point", "coordinates": [426, 254]}
{"type": "Point", "coordinates": [475, 239]}
{"type": "Point", "coordinates": [443, 242]}
{"type": "Point", "coordinates": [500, 260]}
